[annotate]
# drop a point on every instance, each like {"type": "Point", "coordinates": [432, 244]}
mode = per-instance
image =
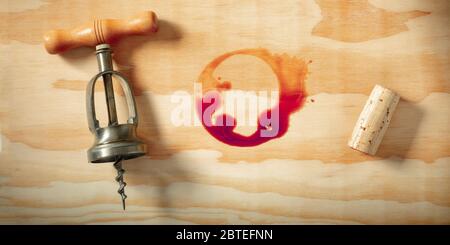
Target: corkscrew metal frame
{"type": "Point", "coordinates": [115, 142]}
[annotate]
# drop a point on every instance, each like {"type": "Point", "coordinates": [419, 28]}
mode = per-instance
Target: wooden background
{"type": "Point", "coordinates": [307, 176]}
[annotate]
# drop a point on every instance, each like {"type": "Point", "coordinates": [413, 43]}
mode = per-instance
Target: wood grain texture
{"type": "Point", "coordinates": [307, 176]}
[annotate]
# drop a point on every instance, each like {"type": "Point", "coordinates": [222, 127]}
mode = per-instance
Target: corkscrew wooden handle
{"type": "Point", "coordinates": [100, 31]}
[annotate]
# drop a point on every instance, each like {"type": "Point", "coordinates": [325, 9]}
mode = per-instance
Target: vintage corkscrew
{"type": "Point", "coordinates": [115, 142]}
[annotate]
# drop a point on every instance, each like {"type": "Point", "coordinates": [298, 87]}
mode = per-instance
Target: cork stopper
{"type": "Point", "coordinates": [374, 120]}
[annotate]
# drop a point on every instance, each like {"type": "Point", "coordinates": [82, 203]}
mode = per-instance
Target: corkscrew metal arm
{"type": "Point", "coordinates": [104, 61]}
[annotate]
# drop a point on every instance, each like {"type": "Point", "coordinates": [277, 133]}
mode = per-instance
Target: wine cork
{"type": "Point", "coordinates": [374, 120]}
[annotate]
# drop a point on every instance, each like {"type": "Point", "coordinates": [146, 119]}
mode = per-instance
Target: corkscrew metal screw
{"type": "Point", "coordinates": [119, 178]}
{"type": "Point", "coordinates": [115, 142]}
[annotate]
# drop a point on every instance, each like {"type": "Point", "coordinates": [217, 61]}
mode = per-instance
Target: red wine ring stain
{"type": "Point", "coordinates": [291, 74]}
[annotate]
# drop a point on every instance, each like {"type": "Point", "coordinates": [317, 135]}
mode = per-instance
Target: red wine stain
{"type": "Point", "coordinates": [291, 74]}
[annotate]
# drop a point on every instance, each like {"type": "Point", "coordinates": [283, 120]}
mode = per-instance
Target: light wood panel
{"type": "Point", "coordinates": [309, 175]}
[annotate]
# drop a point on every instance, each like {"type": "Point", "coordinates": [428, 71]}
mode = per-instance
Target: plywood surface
{"type": "Point", "coordinates": [307, 176]}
